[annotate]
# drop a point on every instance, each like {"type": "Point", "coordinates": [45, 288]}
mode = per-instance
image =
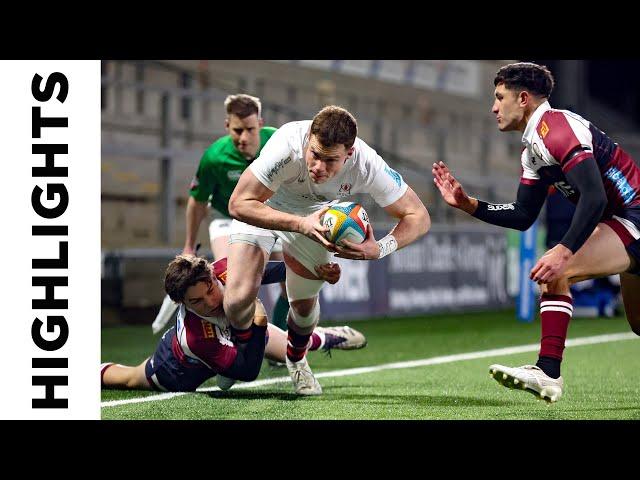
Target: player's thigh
{"type": "Point", "coordinates": [249, 249]}
{"type": "Point", "coordinates": [602, 254]}
{"type": "Point", "coordinates": [302, 255]}
{"type": "Point", "coordinates": [220, 247]}
{"type": "Point", "coordinates": [138, 379]}
{"type": "Point", "coordinates": [219, 230]}
{"type": "Point", "coordinates": [630, 286]}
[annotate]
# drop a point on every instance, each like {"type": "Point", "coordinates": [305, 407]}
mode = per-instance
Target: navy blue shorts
{"type": "Point", "coordinates": [165, 372]}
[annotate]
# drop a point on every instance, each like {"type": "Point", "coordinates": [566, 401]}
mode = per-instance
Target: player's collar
{"type": "Point", "coordinates": [533, 121]}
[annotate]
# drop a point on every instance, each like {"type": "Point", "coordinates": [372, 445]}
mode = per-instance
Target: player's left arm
{"type": "Point", "coordinates": [414, 222]}
{"type": "Point", "coordinates": [586, 178]}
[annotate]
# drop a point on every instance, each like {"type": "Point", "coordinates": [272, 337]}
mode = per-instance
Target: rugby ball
{"type": "Point", "coordinates": [346, 221]}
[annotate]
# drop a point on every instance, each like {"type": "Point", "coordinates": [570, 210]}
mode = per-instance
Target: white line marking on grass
{"type": "Point", "coordinates": [391, 366]}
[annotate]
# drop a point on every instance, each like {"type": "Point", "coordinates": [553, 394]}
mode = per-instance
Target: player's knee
{"type": "Point", "coordinates": [303, 307]}
{"type": "Point", "coordinates": [559, 286]}
{"type": "Point", "coordinates": [304, 313]}
{"type": "Point", "coordinates": [238, 300]}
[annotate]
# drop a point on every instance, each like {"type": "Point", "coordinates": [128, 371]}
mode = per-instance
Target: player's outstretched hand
{"type": "Point", "coordinates": [367, 250]}
{"type": "Point", "coordinates": [329, 272]}
{"type": "Point", "coordinates": [450, 188]}
{"type": "Point", "coordinates": [311, 227]}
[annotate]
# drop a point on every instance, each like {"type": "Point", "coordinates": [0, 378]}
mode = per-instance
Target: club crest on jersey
{"type": "Point", "coordinates": [345, 190]}
{"type": "Point", "coordinates": [543, 129]}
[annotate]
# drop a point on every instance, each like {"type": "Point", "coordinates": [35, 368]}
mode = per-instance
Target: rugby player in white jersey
{"type": "Point", "coordinates": [304, 167]}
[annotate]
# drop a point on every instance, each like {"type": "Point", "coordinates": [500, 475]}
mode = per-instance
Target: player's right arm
{"type": "Point", "coordinates": [518, 215]}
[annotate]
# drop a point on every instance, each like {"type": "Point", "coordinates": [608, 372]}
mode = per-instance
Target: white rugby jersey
{"type": "Point", "coordinates": [282, 169]}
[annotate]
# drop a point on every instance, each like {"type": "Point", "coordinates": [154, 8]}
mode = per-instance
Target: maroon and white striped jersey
{"type": "Point", "coordinates": [205, 339]}
{"type": "Point", "coordinates": [556, 141]}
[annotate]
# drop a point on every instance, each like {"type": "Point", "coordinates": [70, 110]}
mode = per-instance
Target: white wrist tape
{"type": "Point", "coordinates": [387, 245]}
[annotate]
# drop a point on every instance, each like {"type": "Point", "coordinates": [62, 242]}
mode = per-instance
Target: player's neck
{"type": "Point", "coordinates": [528, 114]}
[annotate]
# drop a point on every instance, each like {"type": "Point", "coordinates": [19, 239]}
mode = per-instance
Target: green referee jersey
{"type": "Point", "coordinates": [219, 171]}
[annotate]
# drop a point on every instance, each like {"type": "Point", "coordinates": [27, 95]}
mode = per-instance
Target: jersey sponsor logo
{"type": "Point", "coordinates": [393, 174]}
{"type": "Point", "coordinates": [234, 174]}
{"type": "Point", "coordinates": [207, 329]}
{"type": "Point", "coordinates": [564, 188]}
{"type": "Point", "coordinates": [621, 183]}
{"type": "Point", "coordinates": [314, 197]}
{"type": "Point", "coordinates": [277, 167]}
{"type": "Point", "coordinates": [500, 206]}
{"type": "Point", "coordinates": [544, 129]}
{"type": "Point", "coordinates": [194, 183]}
{"type": "Point", "coordinates": [345, 190]}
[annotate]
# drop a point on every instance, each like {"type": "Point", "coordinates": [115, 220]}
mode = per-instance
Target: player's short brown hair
{"type": "Point", "coordinates": [334, 125]}
{"type": "Point", "coordinates": [242, 105]}
{"type": "Point", "coordinates": [532, 77]}
{"type": "Point", "coordinates": [183, 272]}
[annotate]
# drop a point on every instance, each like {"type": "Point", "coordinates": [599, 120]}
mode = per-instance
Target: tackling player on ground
{"type": "Point", "coordinates": [564, 150]}
{"type": "Point", "coordinates": [201, 344]}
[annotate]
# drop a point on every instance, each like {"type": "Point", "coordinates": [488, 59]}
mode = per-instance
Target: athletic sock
{"type": "Point", "coordinates": [555, 314]}
{"type": "Point", "coordinates": [296, 345]}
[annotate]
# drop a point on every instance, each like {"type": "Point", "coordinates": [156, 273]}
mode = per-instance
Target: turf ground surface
{"type": "Point", "coordinates": [602, 380]}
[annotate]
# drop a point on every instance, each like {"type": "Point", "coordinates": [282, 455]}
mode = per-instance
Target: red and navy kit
{"type": "Point", "coordinates": [566, 151]}
{"type": "Point", "coordinates": [197, 348]}
{"type": "Point", "coordinates": [556, 141]}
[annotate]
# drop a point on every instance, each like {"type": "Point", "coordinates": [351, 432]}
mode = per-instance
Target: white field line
{"type": "Point", "coordinates": [391, 366]}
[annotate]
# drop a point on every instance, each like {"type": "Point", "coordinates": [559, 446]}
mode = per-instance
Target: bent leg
{"type": "Point", "coordinates": [122, 376]}
{"type": "Point", "coordinates": [602, 254]}
{"type": "Point", "coordinates": [245, 265]}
